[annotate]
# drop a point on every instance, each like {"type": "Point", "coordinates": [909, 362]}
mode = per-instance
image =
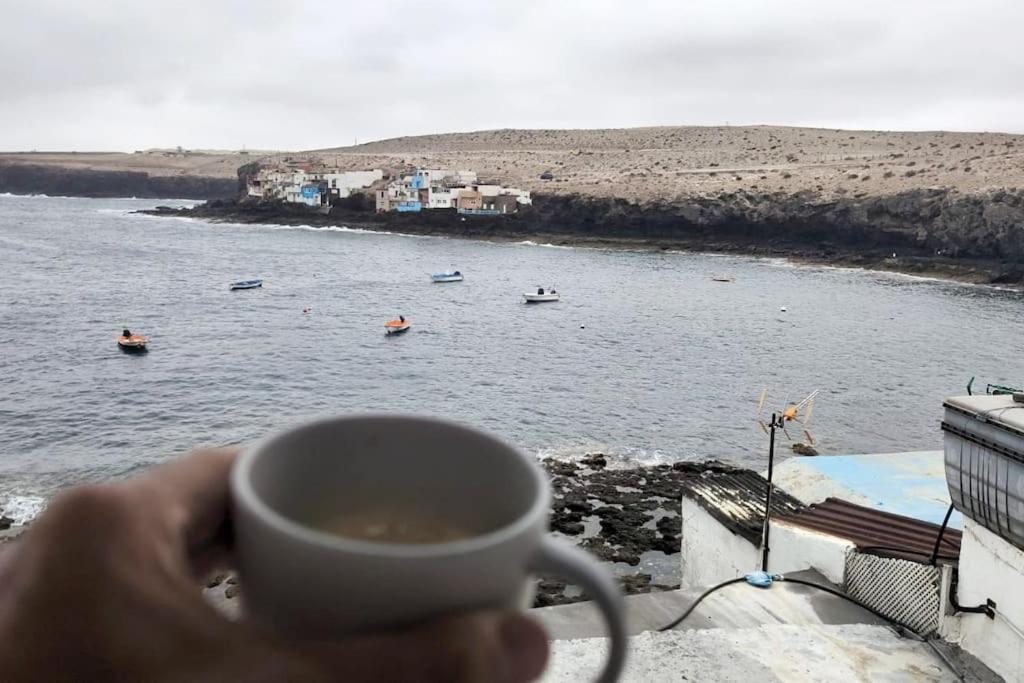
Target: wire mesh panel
{"type": "Point", "coordinates": [906, 592]}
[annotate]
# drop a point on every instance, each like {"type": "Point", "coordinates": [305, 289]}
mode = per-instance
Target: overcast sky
{"type": "Point", "coordinates": [270, 74]}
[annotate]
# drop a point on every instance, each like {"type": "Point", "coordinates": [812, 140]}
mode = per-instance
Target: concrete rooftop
{"type": "Point", "coordinates": [788, 632]}
{"type": "Point", "coordinates": [912, 484]}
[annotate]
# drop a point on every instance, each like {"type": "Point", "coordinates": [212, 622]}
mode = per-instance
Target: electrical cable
{"type": "Point", "coordinates": [786, 579]}
{"type": "Point", "coordinates": [855, 601]}
{"type": "Point", "coordinates": [938, 540]}
{"type": "Point", "coordinates": [700, 599]}
{"type": "Point", "coordinates": [901, 629]}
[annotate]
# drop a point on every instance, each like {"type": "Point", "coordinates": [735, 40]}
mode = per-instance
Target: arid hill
{"type": "Point", "coordinates": [670, 163]}
{"type": "Point", "coordinates": [678, 163]}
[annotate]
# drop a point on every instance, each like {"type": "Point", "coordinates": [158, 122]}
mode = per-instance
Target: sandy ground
{"type": "Point", "coordinates": [643, 164]}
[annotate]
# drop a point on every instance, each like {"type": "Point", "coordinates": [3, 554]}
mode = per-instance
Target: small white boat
{"type": "Point", "coordinates": [447, 276]}
{"type": "Point", "coordinates": [245, 284]}
{"type": "Point", "coordinates": [540, 296]}
{"type": "Point", "coordinates": [722, 278]}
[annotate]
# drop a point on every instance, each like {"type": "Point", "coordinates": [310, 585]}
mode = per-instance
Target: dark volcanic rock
{"type": "Point", "coordinates": [566, 524]}
{"type": "Point", "coordinates": [560, 467]}
{"type": "Point", "coordinates": [215, 580]}
{"type": "Point", "coordinates": [73, 182]}
{"type": "Point", "coordinates": [625, 501]}
{"type": "Point", "coordinates": [637, 583]}
{"type": "Point", "coordinates": [670, 526]}
{"type": "Point", "coordinates": [936, 231]}
{"type": "Point", "coordinates": [550, 591]}
{"type": "Point", "coordinates": [804, 449]}
{"type": "Point", "coordinates": [5, 522]}
{"type": "Point", "coordinates": [666, 544]}
{"type": "Point", "coordinates": [595, 461]}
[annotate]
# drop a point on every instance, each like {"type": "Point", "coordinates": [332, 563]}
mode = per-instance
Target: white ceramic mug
{"type": "Point", "coordinates": [304, 580]}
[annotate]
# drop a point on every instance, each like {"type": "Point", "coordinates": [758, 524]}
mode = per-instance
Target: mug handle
{"type": "Point", "coordinates": [576, 565]}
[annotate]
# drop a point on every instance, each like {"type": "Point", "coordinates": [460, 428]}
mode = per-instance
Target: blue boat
{"type": "Point", "coordinates": [447, 276]}
{"type": "Point", "coordinates": [246, 284]}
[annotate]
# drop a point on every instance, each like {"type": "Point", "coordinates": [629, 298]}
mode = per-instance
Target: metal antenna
{"type": "Point", "coordinates": [776, 423]}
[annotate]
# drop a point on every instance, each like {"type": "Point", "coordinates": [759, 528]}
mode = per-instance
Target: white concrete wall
{"type": "Point", "coordinates": [440, 200]}
{"type": "Point", "coordinates": [794, 548]}
{"type": "Point", "coordinates": [347, 181]}
{"type": "Point", "coordinates": [991, 568]}
{"type": "Point", "coordinates": [710, 553]}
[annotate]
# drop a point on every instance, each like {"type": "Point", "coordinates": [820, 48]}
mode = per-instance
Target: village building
{"type": "Point", "coordinates": [428, 189]}
{"type": "Point", "coordinates": [305, 183]}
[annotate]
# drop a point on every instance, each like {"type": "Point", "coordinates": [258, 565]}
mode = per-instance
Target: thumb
{"type": "Point", "coordinates": [503, 647]}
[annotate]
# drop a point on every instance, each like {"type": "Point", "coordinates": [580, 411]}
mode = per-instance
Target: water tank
{"type": "Point", "coordinates": [984, 444]}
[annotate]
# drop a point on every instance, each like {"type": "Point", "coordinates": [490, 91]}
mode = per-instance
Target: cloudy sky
{"type": "Point", "coordinates": [269, 74]}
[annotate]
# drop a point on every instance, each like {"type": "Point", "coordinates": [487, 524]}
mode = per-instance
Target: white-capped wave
{"type": "Point", "coordinates": [22, 509]}
{"type": "Point", "coordinates": [531, 243]}
{"type": "Point", "coordinates": [618, 458]}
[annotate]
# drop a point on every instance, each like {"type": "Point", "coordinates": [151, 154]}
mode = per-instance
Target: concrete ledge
{"type": "Point", "coordinates": [852, 652]}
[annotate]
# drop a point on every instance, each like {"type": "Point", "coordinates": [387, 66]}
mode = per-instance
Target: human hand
{"type": "Point", "coordinates": [106, 585]}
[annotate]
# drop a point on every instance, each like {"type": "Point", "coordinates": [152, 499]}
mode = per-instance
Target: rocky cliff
{"type": "Point", "coordinates": [19, 178]}
{"type": "Point", "coordinates": [931, 231]}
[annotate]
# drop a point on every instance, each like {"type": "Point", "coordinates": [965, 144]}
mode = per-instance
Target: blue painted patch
{"type": "Point", "coordinates": [909, 484]}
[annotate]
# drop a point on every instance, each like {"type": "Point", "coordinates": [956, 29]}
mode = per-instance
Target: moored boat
{"type": "Point", "coordinates": [447, 276]}
{"type": "Point", "coordinates": [132, 343]}
{"type": "Point", "coordinates": [246, 284]}
{"type": "Point", "coordinates": [541, 296]}
{"type": "Point", "coordinates": [397, 326]}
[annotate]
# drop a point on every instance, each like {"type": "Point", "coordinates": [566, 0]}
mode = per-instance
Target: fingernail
{"type": "Point", "coordinates": [525, 646]}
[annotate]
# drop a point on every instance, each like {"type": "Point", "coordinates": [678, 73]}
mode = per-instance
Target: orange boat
{"type": "Point", "coordinates": [132, 343]}
{"type": "Point", "coordinates": [397, 326]}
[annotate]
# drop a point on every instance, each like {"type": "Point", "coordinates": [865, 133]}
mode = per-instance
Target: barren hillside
{"type": "Point", "coordinates": [674, 163]}
{"type": "Point", "coordinates": [666, 163]}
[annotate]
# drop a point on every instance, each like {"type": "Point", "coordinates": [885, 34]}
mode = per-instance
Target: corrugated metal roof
{"type": "Point", "coordinates": [867, 528]}
{"type": "Point", "coordinates": [736, 499]}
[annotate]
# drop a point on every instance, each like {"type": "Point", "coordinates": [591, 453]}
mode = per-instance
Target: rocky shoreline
{"type": "Point", "coordinates": [923, 233]}
{"type": "Point", "coordinates": [627, 517]}
{"type": "Point", "coordinates": [59, 181]}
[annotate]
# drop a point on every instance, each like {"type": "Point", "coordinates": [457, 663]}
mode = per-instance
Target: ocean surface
{"type": "Point", "coordinates": [645, 358]}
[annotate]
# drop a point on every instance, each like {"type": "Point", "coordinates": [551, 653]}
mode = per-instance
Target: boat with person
{"type": "Point", "coordinates": [447, 276]}
{"type": "Point", "coordinates": [246, 284]}
{"type": "Point", "coordinates": [541, 296]}
{"type": "Point", "coordinates": [397, 326]}
{"type": "Point", "coordinates": [132, 343]}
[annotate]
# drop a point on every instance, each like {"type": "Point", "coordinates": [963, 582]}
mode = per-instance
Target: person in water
{"type": "Point", "coordinates": [107, 585]}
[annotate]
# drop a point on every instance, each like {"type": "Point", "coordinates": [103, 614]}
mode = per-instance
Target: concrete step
{"type": "Point", "coordinates": [773, 652]}
{"type": "Point", "coordinates": [736, 606]}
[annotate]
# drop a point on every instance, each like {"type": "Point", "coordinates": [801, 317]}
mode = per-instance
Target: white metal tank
{"type": "Point", "coordinates": [984, 446]}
